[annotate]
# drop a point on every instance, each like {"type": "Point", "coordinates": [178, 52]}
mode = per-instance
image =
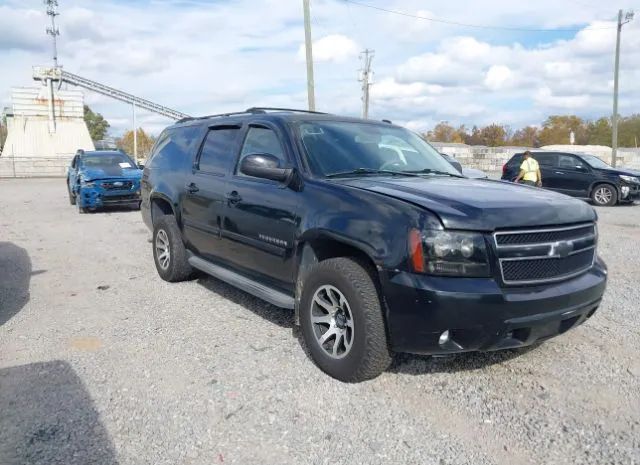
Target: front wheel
{"type": "Point", "coordinates": [342, 320]}
{"type": "Point", "coordinates": [72, 197]}
{"type": "Point", "coordinates": [604, 195]}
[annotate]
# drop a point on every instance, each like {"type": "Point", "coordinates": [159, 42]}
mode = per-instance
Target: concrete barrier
{"type": "Point", "coordinates": [491, 159]}
{"type": "Point", "coordinates": [33, 167]}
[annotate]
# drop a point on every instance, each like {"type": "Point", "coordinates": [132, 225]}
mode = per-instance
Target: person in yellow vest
{"type": "Point", "coordinates": [529, 171]}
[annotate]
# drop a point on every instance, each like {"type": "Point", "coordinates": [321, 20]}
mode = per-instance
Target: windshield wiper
{"type": "Point", "coordinates": [358, 171]}
{"type": "Point", "coordinates": [431, 171]}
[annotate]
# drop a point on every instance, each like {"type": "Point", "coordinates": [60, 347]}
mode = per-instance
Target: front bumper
{"type": "Point", "coordinates": [97, 197]}
{"type": "Point", "coordinates": [482, 316]}
{"type": "Point", "coordinates": [629, 192]}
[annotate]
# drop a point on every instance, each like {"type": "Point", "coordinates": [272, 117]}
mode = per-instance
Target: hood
{"type": "Point", "coordinates": [111, 172]}
{"type": "Point", "coordinates": [481, 205]}
{"type": "Point", "coordinates": [621, 170]}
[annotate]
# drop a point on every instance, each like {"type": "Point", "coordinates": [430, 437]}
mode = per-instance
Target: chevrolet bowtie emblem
{"type": "Point", "coordinates": [561, 249]}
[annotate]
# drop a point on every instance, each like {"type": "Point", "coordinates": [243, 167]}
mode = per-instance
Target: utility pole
{"type": "Point", "coordinates": [614, 119]}
{"type": "Point", "coordinates": [135, 134]}
{"type": "Point", "coordinates": [366, 77]}
{"type": "Point", "coordinates": [309, 52]}
{"type": "Point", "coordinates": [52, 12]}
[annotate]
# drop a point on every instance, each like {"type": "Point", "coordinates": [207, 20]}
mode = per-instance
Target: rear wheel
{"type": "Point", "coordinates": [169, 253]}
{"type": "Point", "coordinates": [604, 195]}
{"type": "Point", "coordinates": [342, 322]}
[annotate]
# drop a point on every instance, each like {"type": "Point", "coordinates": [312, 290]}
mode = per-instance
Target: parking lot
{"type": "Point", "coordinates": [103, 362]}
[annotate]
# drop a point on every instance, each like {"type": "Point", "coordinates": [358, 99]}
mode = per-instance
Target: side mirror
{"type": "Point", "coordinates": [265, 166]}
{"type": "Point", "coordinates": [141, 166]}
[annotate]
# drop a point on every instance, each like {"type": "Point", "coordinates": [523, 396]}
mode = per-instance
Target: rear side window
{"type": "Point", "coordinates": [516, 160]}
{"type": "Point", "coordinates": [177, 145]}
{"type": "Point", "coordinates": [219, 150]}
{"type": "Point", "coordinates": [546, 159]}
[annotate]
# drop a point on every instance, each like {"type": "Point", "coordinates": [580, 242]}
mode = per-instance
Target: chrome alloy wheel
{"type": "Point", "coordinates": [332, 321]}
{"type": "Point", "coordinates": [163, 250]}
{"type": "Point", "coordinates": [603, 195]}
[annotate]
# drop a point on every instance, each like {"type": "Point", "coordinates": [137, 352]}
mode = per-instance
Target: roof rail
{"type": "Point", "coordinates": [219, 115]}
{"type": "Point", "coordinates": [248, 111]}
{"type": "Point", "coordinates": [292, 110]}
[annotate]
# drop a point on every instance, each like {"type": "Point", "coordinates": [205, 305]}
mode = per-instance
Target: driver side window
{"type": "Point", "coordinates": [262, 140]}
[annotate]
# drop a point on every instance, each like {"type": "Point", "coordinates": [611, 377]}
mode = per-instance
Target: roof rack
{"type": "Point", "coordinates": [249, 111]}
{"type": "Point", "coordinates": [292, 110]}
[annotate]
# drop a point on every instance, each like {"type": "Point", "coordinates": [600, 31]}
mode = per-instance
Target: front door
{"type": "Point", "coordinates": [203, 200]}
{"type": "Point", "coordinates": [572, 176]}
{"type": "Point", "coordinates": [261, 216]}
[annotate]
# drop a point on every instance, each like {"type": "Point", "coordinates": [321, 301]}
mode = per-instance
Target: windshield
{"type": "Point", "coordinates": [101, 161]}
{"type": "Point", "coordinates": [335, 147]}
{"type": "Point", "coordinates": [595, 162]}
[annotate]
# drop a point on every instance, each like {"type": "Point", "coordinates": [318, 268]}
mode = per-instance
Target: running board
{"type": "Point", "coordinates": [277, 298]}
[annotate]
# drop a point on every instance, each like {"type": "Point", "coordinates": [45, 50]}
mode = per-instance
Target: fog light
{"type": "Point", "coordinates": [625, 191]}
{"type": "Point", "coordinates": [444, 338]}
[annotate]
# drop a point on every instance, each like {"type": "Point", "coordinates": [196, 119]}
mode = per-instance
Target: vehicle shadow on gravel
{"type": "Point", "coordinates": [47, 416]}
{"type": "Point", "coordinates": [424, 364]}
{"type": "Point", "coordinates": [279, 316]}
{"type": "Point", "coordinates": [15, 277]}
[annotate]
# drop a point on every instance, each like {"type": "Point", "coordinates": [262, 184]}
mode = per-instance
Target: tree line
{"type": "Point", "coordinates": [555, 129]}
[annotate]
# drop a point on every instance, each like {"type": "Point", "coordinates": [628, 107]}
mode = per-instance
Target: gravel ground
{"type": "Point", "coordinates": [103, 362]}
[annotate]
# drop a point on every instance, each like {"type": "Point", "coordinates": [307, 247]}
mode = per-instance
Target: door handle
{"type": "Point", "coordinates": [233, 197]}
{"type": "Point", "coordinates": [558, 172]}
{"type": "Point", "coordinates": [192, 188]}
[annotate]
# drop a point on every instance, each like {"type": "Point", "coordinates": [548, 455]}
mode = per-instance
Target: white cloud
{"type": "Point", "coordinates": [210, 57]}
{"type": "Point", "coordinates": [544, 97]}
{"type": "Point", "coordinates": [498, 77]}
{"type": "Point", "coordinates": [332, 48]}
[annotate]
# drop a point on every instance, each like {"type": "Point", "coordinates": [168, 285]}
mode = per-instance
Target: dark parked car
{"type": "Point", "coordinates": [377, 248]}
{"type": "Point", "coordinates": [103, 178]}
{"type": "Point", "coordinates": [580, 175]}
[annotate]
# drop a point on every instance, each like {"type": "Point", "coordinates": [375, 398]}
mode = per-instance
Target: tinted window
{"type": "Point", "coordinates": [516, 160]}
{"type": "Point", "coordinates": [106, 160]}
{"type": "Point", "coordinates": [262, 140]}
{"type": "Point", "coordinates": [218, 151]}
{"type": "Point", "coordinates": [175, 146]}
{"type": "Point", "coordinates": [568, 162]}
{"type": "Point", "coordinates": [547, 159]}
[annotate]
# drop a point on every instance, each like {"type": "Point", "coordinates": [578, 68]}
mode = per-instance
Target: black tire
{"type": "Point", "coordinates": [72, 198]}
{"type": "Point", "coordinates": [604, 195]}
{"type": "Point", "coordinates": [177, 267]}
{"type": "Point", "coordinates": [369, 353]}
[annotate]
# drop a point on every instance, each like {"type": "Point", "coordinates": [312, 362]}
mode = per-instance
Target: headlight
{"type": "Point", "coordinates": [84, 183]}
{"type": "Point", "coordinates": [630, 179]}
{"type": "Point", "coordinates": [449, 253]}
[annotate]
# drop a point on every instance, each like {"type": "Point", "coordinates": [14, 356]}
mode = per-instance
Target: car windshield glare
{"type": "Point", "coordinates": [102, 161]}
{"type": "Point", "coordinates": [595, 162]}
{"type": "Point", "coordinates": [334, 147]}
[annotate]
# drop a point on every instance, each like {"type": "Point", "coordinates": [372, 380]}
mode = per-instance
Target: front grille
{"type": "Point", "coordinates": [544, 255]}
{"type": "Point", "coordinates": [117, 185]}
{"type": "Point", "coordinates": [546, 268]}
{"type": "Point", "coordinates": [537, 237]}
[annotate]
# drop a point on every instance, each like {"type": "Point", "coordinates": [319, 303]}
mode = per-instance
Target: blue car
{"type": "Point", "coordinates": [103, 178]}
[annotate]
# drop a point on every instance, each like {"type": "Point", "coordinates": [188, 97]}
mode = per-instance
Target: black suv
{"type": "Point", "coordinates": [580, 175]}
{"type": "Point", "coordinates": [376, 241]}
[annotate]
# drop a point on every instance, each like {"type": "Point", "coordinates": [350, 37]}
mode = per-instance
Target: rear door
{"type": "Point", "coordinates": [203, 200]}
{"type": "Point", "coordinates": [547, 162]}
{"type": "Point", "coordinates": [261, 215]}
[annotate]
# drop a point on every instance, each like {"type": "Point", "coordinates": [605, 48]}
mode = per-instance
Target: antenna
{"type": "Point", "coordinates": [52, 11]}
